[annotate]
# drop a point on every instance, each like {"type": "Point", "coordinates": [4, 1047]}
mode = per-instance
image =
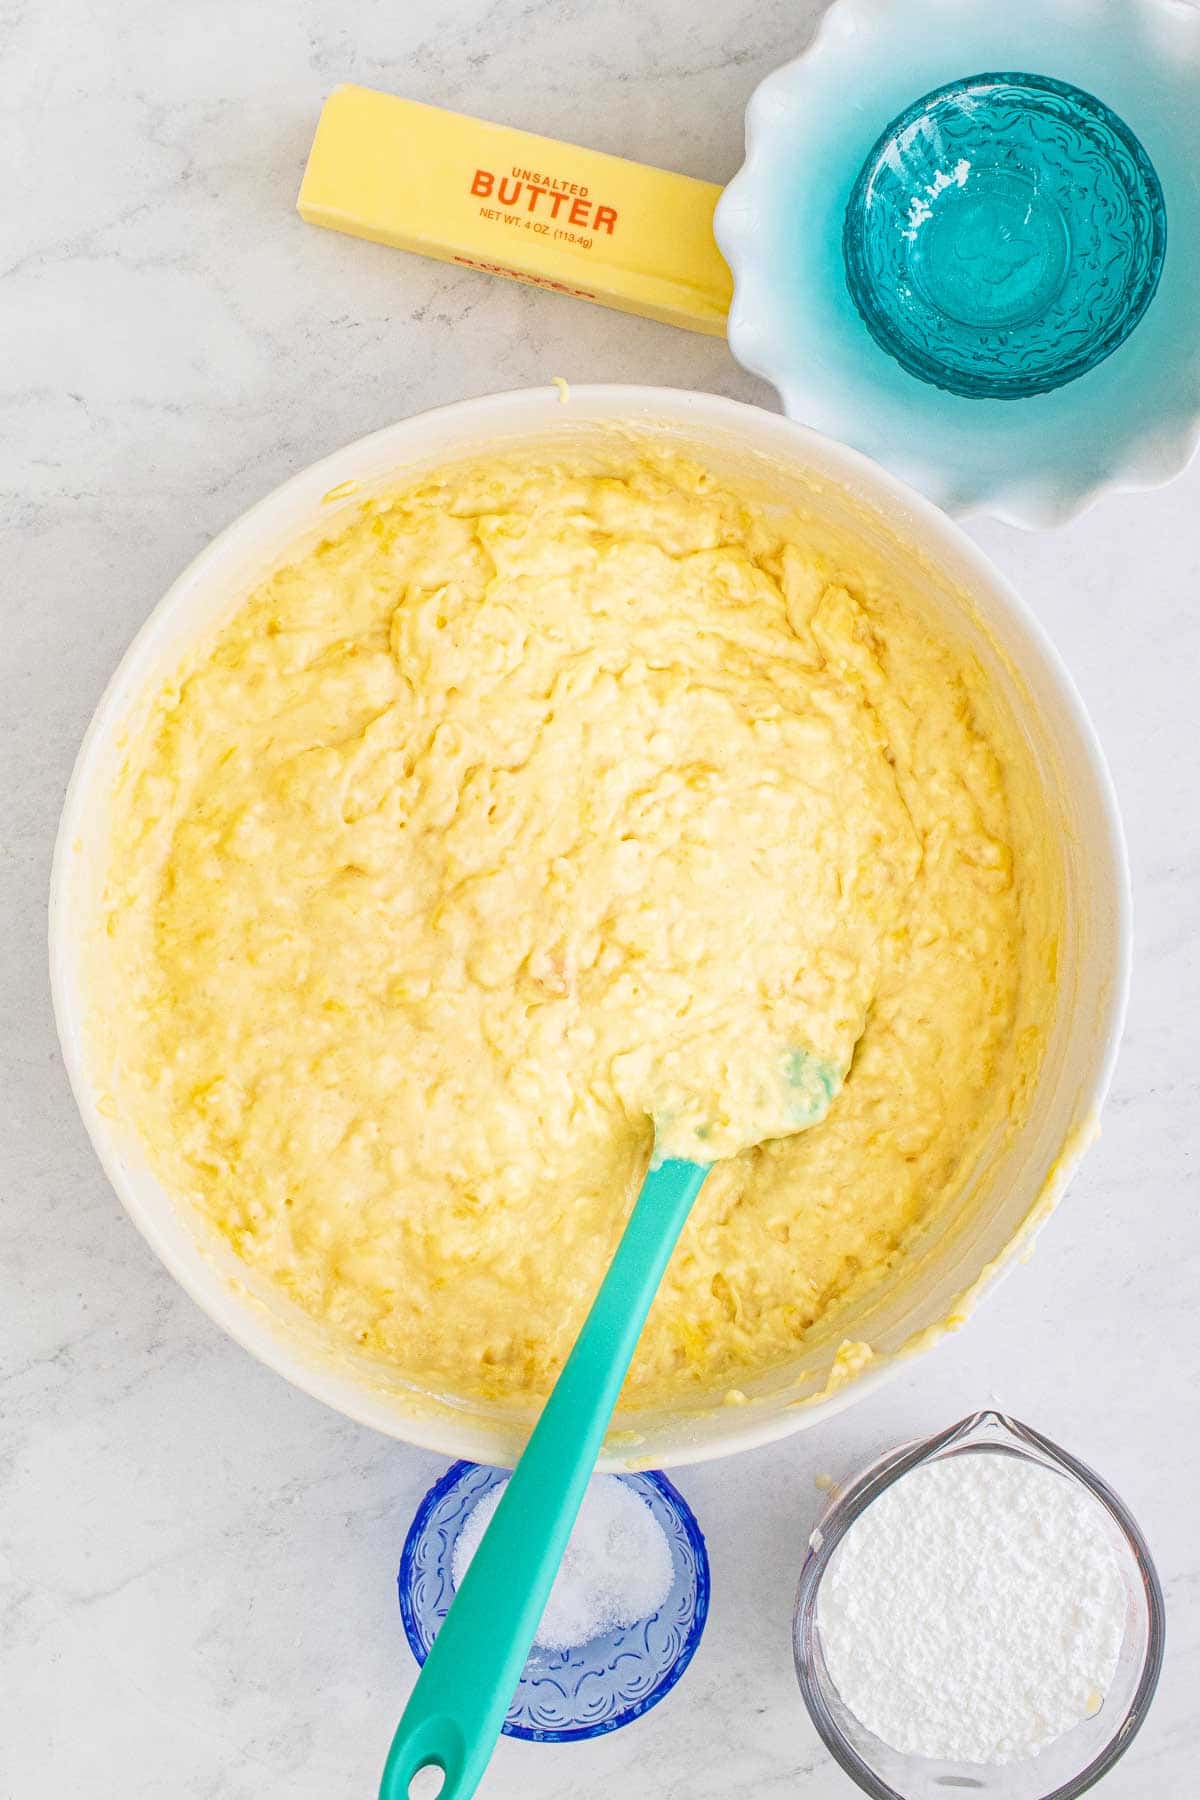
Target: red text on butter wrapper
{"type": "Point", "coordinates": [576, 208]}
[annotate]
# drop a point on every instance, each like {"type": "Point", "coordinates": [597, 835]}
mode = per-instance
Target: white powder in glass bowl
{"type": "Point", "coordinates": [616, 1569]}
{"type": "Point", "coordinates": [975, 1611]}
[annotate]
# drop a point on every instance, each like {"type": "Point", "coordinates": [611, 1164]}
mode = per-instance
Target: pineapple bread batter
{"type": "Point", "coordinates": [546, 799]}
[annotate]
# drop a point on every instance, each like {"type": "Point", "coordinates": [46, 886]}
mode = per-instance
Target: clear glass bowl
{"type": "Point", "coordinates": [1075, 1761]}
{"type": "Point", "coordinates": [1005, 234]}
{"type": "Point", "coordinates": [565, 1695]}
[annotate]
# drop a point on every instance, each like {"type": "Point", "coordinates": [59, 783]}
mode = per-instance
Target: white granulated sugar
{"type": "Point", "coordinates": [975, 1611]}
{"type": "Point", "coordinates": [616, 1570]}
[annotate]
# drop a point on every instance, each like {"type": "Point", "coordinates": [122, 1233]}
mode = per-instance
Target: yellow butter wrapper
{"type": "Point", "coordinates": [577, 221]}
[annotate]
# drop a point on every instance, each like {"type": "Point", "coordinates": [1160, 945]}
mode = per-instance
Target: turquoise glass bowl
{"type": "Point", "coordinates": [1005, 234]}
{"type": "Point", "coordinates": [565, 1695]}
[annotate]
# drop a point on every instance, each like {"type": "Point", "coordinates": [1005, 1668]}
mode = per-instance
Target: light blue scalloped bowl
{"type": "Point", "coordinates": [1131, 421]}
{"type": "Point", "coordinates": [565, 1695]}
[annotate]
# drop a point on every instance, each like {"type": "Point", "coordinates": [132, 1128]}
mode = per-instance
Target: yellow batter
{"type": "Point", "coordinates": [539, 803]}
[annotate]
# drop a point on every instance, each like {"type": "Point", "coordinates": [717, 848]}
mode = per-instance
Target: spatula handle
{"type": "Point", "coordinates": [463, 1692]}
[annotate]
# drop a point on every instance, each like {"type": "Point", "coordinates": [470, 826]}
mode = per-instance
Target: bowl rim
{"type": "Point", "coordinates": [989, 1432]}
{"type": "Point", "coordinates": [538, 408]}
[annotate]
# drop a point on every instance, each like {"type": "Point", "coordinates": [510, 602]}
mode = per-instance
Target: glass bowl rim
{"type": "Point", "coordinates": [994, 1433]}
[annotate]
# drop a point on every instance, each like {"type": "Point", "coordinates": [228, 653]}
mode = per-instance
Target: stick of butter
{"type": "Point", "coordinates": [577, 221]}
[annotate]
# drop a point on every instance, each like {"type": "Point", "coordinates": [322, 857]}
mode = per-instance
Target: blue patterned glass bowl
{"type": "Point", "coordinates": [565, 1694]}
{"type": "Point", "coordinates": [1005, 234]}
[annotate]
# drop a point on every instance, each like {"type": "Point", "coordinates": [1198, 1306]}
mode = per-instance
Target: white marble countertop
{"type": "Point", "coordinates": [199, 1561]}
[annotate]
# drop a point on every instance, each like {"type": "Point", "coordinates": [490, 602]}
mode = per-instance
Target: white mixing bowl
{"type": "Point", "coordinates": [1011, 1194]}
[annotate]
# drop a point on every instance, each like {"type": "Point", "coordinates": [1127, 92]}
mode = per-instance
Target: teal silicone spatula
{"type": "Point", "coordinates": [458, 1705]}
{"type": "Point", "coordinates": [455, 1711]}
